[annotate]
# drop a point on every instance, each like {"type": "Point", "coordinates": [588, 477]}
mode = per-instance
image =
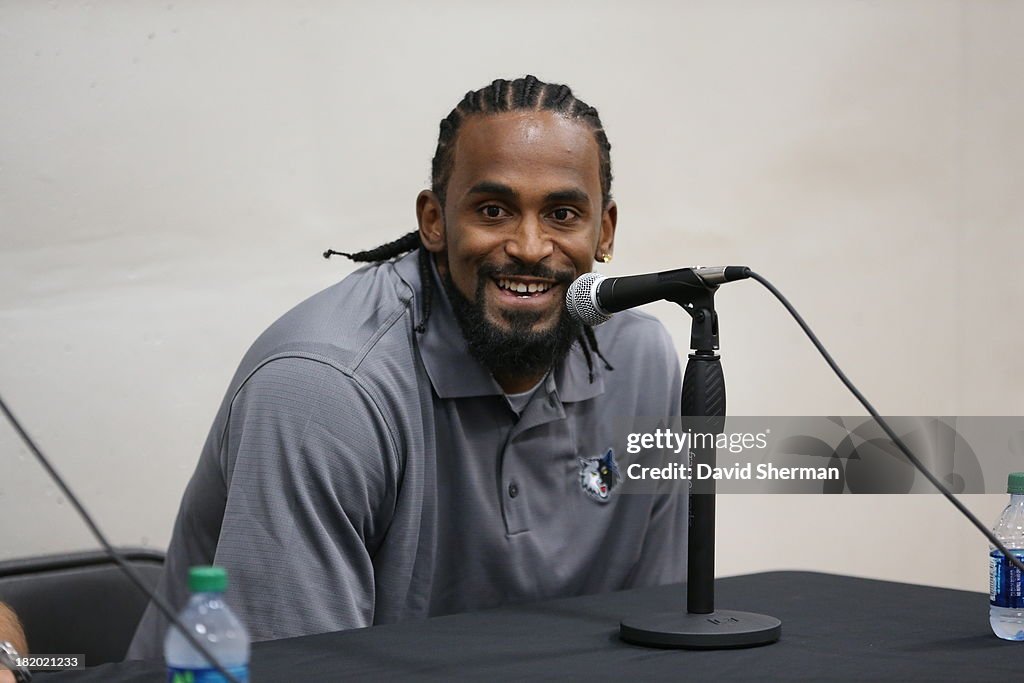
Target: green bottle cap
{"type": "Point", "coordinates": [215, 579]}
{"type": "Point", "coordinates": [1015, 482]}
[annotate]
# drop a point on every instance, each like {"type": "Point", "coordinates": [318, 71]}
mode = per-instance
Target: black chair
{"type": "Point", "coordinates": [79, 603]}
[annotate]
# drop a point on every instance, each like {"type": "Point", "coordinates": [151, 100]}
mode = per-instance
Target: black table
{"type": "Point", "coordinates": [833, 628]}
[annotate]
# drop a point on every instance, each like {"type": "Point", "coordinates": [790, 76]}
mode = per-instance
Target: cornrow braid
{"type": "Point", "coordinates": [402, 245]}
{"type": "Point", "coordinates": [588, 344]}
{"type": "Point", "coordinates": [427, 278]}
{"type": "Point", "coordinates": [592, 340]}
{"type": "Point", "coordinates": [586, 354]}
{"type": "Point", "coordinates": [522, 94]}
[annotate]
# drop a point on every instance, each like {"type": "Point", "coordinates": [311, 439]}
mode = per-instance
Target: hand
{"type": "Point", "coordinates": [6, 676]}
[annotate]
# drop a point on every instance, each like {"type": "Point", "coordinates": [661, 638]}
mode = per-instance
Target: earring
{"type": "Point", "coordinates": [605, 258]}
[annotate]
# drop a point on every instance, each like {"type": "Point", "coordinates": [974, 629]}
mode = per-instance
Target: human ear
{"type": "Point", "coordinates": [606, 238]}
{"type": "Point", "coordinates": [430, 216]}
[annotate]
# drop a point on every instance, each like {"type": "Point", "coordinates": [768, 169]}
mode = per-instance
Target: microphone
{"type": "Point", "coordinates": [592, 298]}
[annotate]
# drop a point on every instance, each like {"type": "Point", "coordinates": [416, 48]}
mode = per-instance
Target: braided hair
{"type": "Point", "coordinates": [402, 245]}
{"type": "Point", "coordinates": [522, 94]}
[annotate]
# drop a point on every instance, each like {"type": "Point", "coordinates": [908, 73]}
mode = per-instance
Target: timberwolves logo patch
{"type": "Point", "coordinates": [598, 476]}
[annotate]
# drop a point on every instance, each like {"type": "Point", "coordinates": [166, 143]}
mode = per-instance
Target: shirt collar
{"type": "Point", "coordinates": [455, 374]}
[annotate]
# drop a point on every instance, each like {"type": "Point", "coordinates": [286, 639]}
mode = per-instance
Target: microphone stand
{"type": "Point", "coordinates": [701, 627]}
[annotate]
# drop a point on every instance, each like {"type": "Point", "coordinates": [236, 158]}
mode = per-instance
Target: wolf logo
{"type": "Point", "coordinates": [598, 476]}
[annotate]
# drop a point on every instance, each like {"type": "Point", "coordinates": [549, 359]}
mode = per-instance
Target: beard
{"type": "Point", "coordinates": [517, 349]}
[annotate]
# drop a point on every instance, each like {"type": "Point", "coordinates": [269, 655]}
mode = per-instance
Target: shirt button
{"type": "Point", "coordinates": [513, 490]}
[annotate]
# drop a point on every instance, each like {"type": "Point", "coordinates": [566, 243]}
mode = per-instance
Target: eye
{"type": "Point", "coordinates": [563, 214]}
{"type": "Point", "coordinates": [492, 211]}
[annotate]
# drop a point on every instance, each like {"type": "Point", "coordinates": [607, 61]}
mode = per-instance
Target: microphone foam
{"type": "Point", "coordinates": [581, 300]}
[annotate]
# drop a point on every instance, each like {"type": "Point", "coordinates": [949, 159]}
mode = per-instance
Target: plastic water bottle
{"type": "Point", "coordinates": [1006, 611]}
{"type": "Point", "coordinates": [217, 628]}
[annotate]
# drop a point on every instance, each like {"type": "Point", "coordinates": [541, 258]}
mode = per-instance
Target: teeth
{"type": "Point", "coordinates": [523, 288]}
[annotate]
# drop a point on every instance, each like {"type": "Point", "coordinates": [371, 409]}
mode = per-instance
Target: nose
{"type": "Point", "coordinates": [530, 243]}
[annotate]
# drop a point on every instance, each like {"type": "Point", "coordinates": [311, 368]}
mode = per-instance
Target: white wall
{"type": "Point", "coordinates": [170, 172]}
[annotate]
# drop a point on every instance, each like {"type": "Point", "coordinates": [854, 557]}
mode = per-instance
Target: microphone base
{"type": "Point", "coordinates": [719, 630]}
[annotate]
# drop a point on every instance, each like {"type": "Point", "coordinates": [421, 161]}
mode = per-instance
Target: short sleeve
{"type": "Point", "coordinates": [310, 469]}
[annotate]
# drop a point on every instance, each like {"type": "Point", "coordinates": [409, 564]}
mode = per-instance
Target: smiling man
{"type": "Point", "coordinates": [434, 433]}
{"type": "Point", "coordinates": [522, 213]}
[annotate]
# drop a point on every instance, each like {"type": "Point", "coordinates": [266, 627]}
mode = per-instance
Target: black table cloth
{"type": "Point", "coordinates": [833, 628]}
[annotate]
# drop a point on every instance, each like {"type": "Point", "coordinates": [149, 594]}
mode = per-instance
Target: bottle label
{"type": "Point", "coordinates": [176, 675]}
{"type": "Point", "coordinates": [1004, 581]}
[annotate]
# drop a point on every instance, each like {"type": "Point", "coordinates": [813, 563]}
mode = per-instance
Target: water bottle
{"type": "Point", "coordinates": [211, 621]}
{"type": "Point", "coordinates": [1006, 611]}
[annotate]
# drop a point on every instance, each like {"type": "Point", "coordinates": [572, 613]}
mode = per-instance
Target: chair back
{"type": "Point", "coordinates": [79, 603]}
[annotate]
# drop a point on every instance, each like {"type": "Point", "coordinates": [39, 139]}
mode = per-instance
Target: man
{"type": "Point", "coordinates": [434, 434]}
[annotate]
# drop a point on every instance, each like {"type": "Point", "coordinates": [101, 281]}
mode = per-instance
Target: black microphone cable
{"type": "Point", "coordinates": [114, 555]}
{"type": "Point", "coordinates": [885, 425]}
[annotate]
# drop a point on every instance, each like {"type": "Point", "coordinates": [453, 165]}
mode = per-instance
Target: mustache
{"type": "Point", "coordinates": [490, 270]}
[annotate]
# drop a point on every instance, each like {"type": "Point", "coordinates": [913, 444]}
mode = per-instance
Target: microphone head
{"type": "Point", "coordinates": [581, 300]}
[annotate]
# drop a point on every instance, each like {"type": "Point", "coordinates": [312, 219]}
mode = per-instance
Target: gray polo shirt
{"type": "Point", "coordinates": [361, 473]}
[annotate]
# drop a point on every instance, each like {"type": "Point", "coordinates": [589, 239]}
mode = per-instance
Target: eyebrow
{"type": "Point", "coordinates": [499, 189]}
{"type": "Point", "coordinates": [572, 196]}
{"type": "Point", "coordinates": [506, 192]}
